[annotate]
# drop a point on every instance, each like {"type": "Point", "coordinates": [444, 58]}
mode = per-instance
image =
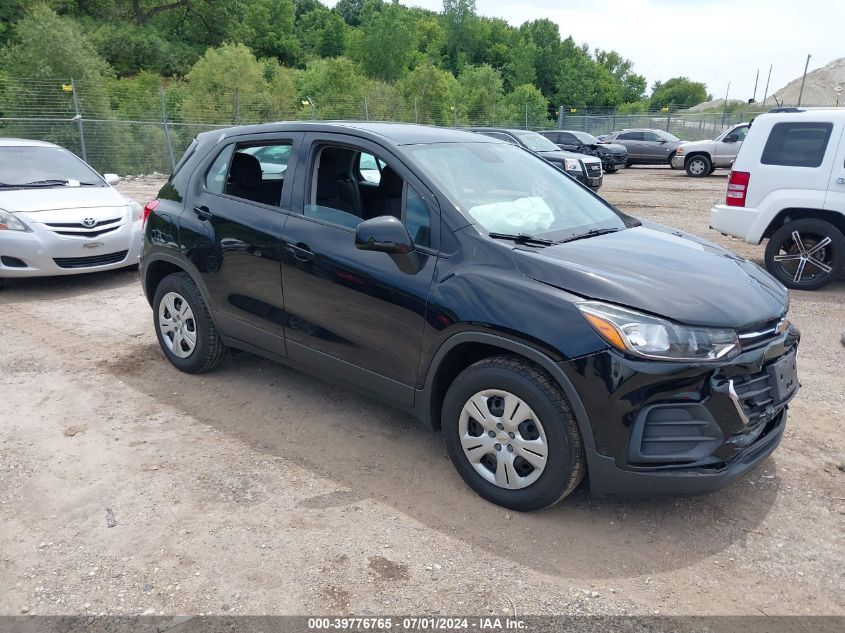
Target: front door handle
{"type": "Point", "coordinates": [301, 251]}
{"type": "Point", "coordinates": [840, 181]}
{"type": "Point", "coordinates": [203, 213]}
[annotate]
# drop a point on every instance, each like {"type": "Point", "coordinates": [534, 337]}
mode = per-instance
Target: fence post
{"type": "Point", "coordinates": [416, 113]}
{"type": "Point", "coordinates": [455, 110]}
{"type": "Point", "coordinates": [78, 119]}
{"type": "Point", "coordinates": [166, 129]}
{"type": "Point", "coordinates": [668, 118]}
{"type": "Point", "coordinates": [237, 107]}
{"type": "Point", "coordinates": [560, 117]}
{"type": "Point", "coordinates": [366, 108]}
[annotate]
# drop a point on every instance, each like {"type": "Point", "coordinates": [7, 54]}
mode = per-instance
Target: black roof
{"type": "Point", "coordinates": [509, 130]}
{"type": "Point", "coordinates": [396, 133]}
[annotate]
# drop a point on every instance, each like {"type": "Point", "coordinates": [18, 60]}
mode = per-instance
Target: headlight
{"type": "Point", "coordinates": [137, 209]}
{"type": "Point", "coordinates": [680, 151]}
{"type": "Point", "coordinates": [570, 164]}
{"type": "Point", "coordinates": [652, 337]}
{"type": "Point", "coordinates": [10, 222]}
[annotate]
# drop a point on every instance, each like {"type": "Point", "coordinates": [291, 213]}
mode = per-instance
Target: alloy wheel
{"type": "Point", "coordinates": [177, 325]}
{"type": "Point", "coordinates": [503, 439]}
{"type": "Point", "coordinates": [805, 257]}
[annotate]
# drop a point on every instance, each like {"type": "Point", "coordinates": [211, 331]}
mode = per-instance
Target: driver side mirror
{"type": "Point", "coordinates": [384, 234]}
{"type": "Point", "coordinates": [111, 179]}
{"type": "Point", "coordinates": [730, 138]}
{"type": "Point", "coordinates": [663, 141]}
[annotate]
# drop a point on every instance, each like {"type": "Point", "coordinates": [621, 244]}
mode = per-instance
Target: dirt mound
{"type": "Point", "coordinates": [818, 88]}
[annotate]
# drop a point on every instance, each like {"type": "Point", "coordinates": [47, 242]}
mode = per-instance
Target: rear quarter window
{"type": "Point", "coordinates": [797, 144]}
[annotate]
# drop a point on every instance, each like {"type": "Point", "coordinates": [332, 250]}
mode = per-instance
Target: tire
{"type": "Point", "coordinates": [190, 342]}
{"type": "Point", "coordinates": [629, 162]}
{"type": "Point", "coordinates": [669, 159]}
{"type": "Point", "coordinates": [508, 384]}
{"type": "Point", "coordinates": [698, 166]}
{"type": "Point", "coordinates": [817, 244]}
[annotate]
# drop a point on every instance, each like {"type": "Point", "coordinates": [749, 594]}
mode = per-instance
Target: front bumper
{"type": "Point", "coordinates": [42, 252]}
{"type": "Point", "coordinates": [614, 160]}
{"type": "Point", "coordinates": [742, 222]}
{"type": "Point", "coordinates": [682, 428]}
{"type": "Point", "coordinates": [678, 161]}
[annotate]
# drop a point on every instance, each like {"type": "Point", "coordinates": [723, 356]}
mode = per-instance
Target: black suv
{"type": "Point", "coordinates": [471, 283]}
{"type": "Point", "coordinates": [613, 155]}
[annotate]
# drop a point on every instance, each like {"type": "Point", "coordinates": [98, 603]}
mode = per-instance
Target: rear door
{"type": "Point", "coordinates": [232, 233]}
{"type": "Point", "coordinates": [835, 200]}
{"type": "Point", "coordinates": [634, 142]}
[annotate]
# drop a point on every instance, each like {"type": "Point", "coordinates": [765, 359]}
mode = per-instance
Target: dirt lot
{"type": "Point", "coordinates": [258, 490]}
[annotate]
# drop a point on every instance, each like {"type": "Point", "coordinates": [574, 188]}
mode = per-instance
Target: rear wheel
{"type": "Point", "coordinates": [183, 324]}
{"type": "Point", "coordinates": [806, 254]}
{"type": "Point", "coordinates": [698, 166]}
{"type": "Point", "coordinates": [511, 434]}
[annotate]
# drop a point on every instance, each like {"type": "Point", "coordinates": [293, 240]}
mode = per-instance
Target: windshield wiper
{"type": "Point", "coordinates": [590, 233]}
{"type": "Point", "coordinates": [44, 183]}
{"type": "Point", "coordinates": [521, 238]}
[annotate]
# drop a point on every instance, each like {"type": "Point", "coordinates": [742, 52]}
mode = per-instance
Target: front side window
{"type": "Point", "coordinates": [44, 166]}
{"type": "Point", "coordinates": [651, 137]}
{"type": "Point", "coordinates": [797, 144]}
{"type": "Point", "coordinates": [536, 142]}
{"type": "Point", "coordinates": [506, 190]}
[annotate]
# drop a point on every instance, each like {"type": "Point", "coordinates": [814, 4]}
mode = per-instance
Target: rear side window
{"type": "Point", "coordinates": [630, 136]}
{"type": "Point", "coordinates": [797, 144]}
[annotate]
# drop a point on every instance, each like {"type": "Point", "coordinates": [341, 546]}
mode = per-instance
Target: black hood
{"type": "Point", "coordinates": [661, 271]}
{"type": "Point", "coordinates": [611, 148]}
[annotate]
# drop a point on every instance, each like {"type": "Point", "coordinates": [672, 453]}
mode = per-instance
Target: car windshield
{"type": "Point", "coordinates": [505, 189]}
{"type": "Point", "coordinates": [585, 138]}
{"type": "Point", "coordinates": [536, 142]}
{"type": "Point", "coordinates": [43, 166]}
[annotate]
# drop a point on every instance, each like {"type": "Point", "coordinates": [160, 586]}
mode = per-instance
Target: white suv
{"type": "Point", "coordinates": [788, 185]}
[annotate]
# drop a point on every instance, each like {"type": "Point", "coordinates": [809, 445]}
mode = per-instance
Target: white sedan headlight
{"type": "Point", "coordinates": [10, 222]}
{"type": "Point", "coordinates": [137, 209]}
{"type": "Point", "coordinates": [652, 337]}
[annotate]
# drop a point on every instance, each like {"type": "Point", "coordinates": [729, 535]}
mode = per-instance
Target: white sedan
{"type": "Point", "coordinates": [60, 217]}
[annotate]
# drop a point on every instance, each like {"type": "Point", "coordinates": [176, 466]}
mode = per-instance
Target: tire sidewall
{"type": "Point", "coordinates": [551, 485]}
{"type": "Point", "coordinates": [188, 290]}
{"type": "Point", "coordinates": [815, 226]}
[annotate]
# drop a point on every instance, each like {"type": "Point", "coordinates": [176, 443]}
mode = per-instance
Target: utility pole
{"type": "Point", "coordinates": [725, 111]}
{"type": "Point", "coordinates": [803, 77]}
{"type": "Point", "coordinates": [756, 79]}
{"type": "Point", "coordinates": [766, 91]}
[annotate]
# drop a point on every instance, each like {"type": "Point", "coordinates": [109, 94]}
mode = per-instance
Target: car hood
{"type": "Point", "coordinates": [697, 145]}
{"type": "Point", "coordinates": [561, 154]}
{"type": "Point", "coordinates": [612, 148]}
{"type": "Point", "coordinates": [52, 198]}
{"type": "Point", "coordinates": [661, 271]}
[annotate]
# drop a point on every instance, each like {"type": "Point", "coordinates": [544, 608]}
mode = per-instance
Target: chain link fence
{"type": "Point", "coordinates": [133, 130]}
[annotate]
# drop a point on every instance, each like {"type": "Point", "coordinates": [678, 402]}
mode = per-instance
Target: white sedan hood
{"type": "Point", "coordinates": [55, 198]}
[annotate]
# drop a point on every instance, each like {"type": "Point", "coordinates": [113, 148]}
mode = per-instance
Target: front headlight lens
{"type": "Point", "coordinates": [10, 222]}
{"type": "Point", "coordinates": [571, 164]}
{"type": "Point", "coordinates": [680, 151]}
{"type": "Point", "coordinates": [137, 209]}
{"type": "Point", "coordinates": [652, 337]}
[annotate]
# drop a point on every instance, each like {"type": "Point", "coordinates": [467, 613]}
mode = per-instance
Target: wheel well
{"type": "Point", "coordinates": [156, 271]}
{"type": "Point", "coordinates": [698, 153]}
{"type": "Point", "coordinates": [787, 215]}
{"type": "Point", "coordinates": [453, 363]}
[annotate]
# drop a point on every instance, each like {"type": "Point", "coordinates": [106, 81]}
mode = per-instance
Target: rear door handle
{"type": "Point", "coordinates": [301, 251]}
{"type": "Point", "coordinates": [203, 213]}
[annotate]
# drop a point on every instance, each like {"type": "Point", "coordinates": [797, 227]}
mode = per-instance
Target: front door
{"type": "Point", "coordinates": [357, 315]}
{"type": "Point", "coordinates": [233, 235]}
{"type": "Point", "coordinates": [724, 152]}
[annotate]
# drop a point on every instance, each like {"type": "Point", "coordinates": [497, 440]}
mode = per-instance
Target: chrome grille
{"type": "Point", "coordinates": [760, 336]}
{"type": "Point", "coordinates": [77, 229]}
{"type": "Point", "coordinates": [593, 169]}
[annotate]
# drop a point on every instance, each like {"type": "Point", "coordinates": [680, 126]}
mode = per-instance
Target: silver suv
{"type": "Point", "coordinates": [645, 146]}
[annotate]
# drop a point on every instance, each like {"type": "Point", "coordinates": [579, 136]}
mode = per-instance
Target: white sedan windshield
{"type": "Point", "coordinates": [505, 189]}
{"type": "Point", "coordinates": [38, 165]}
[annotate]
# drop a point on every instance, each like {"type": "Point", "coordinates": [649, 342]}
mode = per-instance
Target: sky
{"type": "Point", "coordinates": [714, 41]}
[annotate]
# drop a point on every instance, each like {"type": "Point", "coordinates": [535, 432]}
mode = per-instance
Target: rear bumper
{"type": "Point", "coordinates": [741, 222]}
{"type": "Point", "coordinates": [44, 253]}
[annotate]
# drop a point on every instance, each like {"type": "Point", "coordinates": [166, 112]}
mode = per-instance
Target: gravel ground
{"type": "Point", "coordinates": [259, 490]}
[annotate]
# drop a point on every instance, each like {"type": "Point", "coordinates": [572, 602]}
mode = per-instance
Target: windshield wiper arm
{"type": "Point", "coordinates": [590, 233]}
{"type": "Point", "coordinates": [44, 183]}
{"type": "Point", "coordinates": [521, 238]}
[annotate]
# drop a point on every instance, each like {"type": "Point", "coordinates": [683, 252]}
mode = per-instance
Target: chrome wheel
{"type": "Point", "coordinates": [697, 167]}
{"type": "Point", "coordinates": [503, 439]}
{"type": "Point", "coordinates": [177, 325]}
{"type": "Point", "coordinates": [805, 258]}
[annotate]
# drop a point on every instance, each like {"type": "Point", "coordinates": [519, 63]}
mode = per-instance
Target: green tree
{"type": "Point", "coordinates": [582, 81]}
{"type": "Point", "coordinates": [336, 86]}
{"type": "Point", "coordinates": [678, 91]}
{"type": "Point", "coordinates": [333, 36]}
{"type": "Point", "coordinates": [385, 103]}
{"type": "Point", "coordinates": [526, 107]}
{"type": "Point", "coordinates": [267, 28]}
{"type": "Point", "coordinates": [479, 94]}
{"type": "Point", "coordinates": [385, 43]}
{"type": "Point", "coordinates": [519, 69]}
{"type": "Point", "coordinates": [632, 85]}
{"type": "Point", "coordinates": [430, 94]}
{"type": "Point", "coordinates": [461, 32]}
{"type": "Point", "coordinates": [545, 36]}
{"type": "Point", "coordinates": [350, 10]}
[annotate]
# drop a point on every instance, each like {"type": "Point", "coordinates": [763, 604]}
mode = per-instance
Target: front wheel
{"type": "Point", "coordinates": [806, 254]}
{"type": "Point", "coordinates": [698, 166]}
{"type": "Point", "coordinates": [512, 435]}
{"type": "Point", "coordinates": [185, 331]}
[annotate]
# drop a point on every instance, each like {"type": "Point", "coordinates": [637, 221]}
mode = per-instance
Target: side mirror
{"type": "Point", "coordinates": [111, 179]}
{"type": "Point", "coordinates": [384, 234]}
{"type": "Point", "coordinates": [730, 138]}
{"type": "Point", "coordinates": [663, 141]}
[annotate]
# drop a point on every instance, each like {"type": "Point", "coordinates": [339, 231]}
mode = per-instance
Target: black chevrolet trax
{"type": "Point", "coordinates": [547, 334]}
